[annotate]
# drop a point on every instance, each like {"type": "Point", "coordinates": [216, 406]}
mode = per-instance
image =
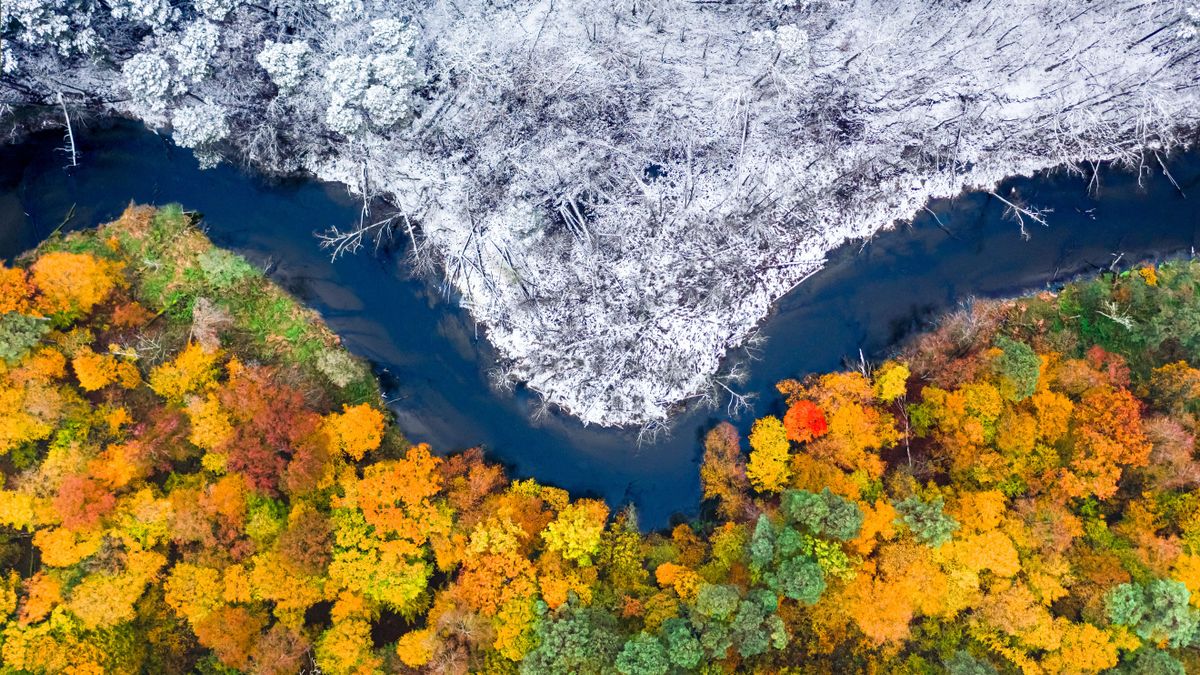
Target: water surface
{"type": "Point", "coordinates": [434, 361]}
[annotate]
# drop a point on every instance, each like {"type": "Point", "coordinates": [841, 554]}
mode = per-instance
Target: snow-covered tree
{"type": "Point", "coordinates": [343, 116]}
{"type": "Point", "coordinates": [348, 76]}
{"type": "Point", "coordinates": [792, 42]}
{"type": "Point", "coordinates": [156, 14]}
{"type": "Point", "coordinates": [341, 11]}
{"type": "Point", "coordinates": [379, 84]}
{"type": "Point", "coordinates": [194, 53]}
{"type": "Point", "coordinates": [216, 10]}
{"type": "Point", "coordinates": [286, 63]}
{"type": "Point", "coordinates": [387, 100]}
{"type": "Point", "coordinates": [1189, 20]}
{"type": "Point", "coordinates": [392, 36]}
{"type": "Point", "coordinates": [148, 79]}
{"type": "Point", "coordinates": [346, 79]}
{"type": "Point", "coordinates": [620, 190]}
{"type": "Point", "coordinates": [201, 127]}
{"type": "Point", "coordinates": [63, 25]}
{"type": "Point", "coordinates": [8, 62]}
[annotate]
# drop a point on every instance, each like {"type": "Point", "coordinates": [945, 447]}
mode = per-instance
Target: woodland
{"type": "Point", "coordinates": [618, 190]}
{"type": "Point", "coordinates": [198, 478]}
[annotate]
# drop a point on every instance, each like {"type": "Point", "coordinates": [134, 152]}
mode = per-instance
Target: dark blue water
{"type": "Point", "coordinates": [435, 361]}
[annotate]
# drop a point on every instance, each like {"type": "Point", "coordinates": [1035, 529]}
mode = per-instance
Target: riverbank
{"type": "Point", "coordinates": [208, 481]}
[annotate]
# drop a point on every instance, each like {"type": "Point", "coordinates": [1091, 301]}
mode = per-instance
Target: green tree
{"type": "Point", "coordinates": [1150, 661]}
{"type": "Point", "coordinates": [1019, 365]}
{"type": "Point", "coordinates": [963, 663]}
{"type": "Point", "coordinates": [762, 545]}
{"type": "Point", "coordinates": [716, 601]}
{"type": "Point", "coordinates": [756, 628]}
{"type": "Point", "coordinates": [927, 520]}
{"type": "Point", "coordinates": [683, 649]}
{"type": "Point", "coordinates": [824, 514]}
{"type": "Point", "coordinates": [801, 579]}
{"type": "Point", "coordinates": [643, 654]}
{"type": "Point", "coordinates": [18, 334]}
{"type": "Point", "coordinates": [1157, 611]}
{"type": "Point", "coordinates": [575, 640]}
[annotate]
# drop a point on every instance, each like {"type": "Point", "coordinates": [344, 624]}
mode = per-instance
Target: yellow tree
{"type": "Point", "coordinates": [723, 472]}
{"type": "Point", "coordinates": [576, 532]}
{"type": "Point", "coordinates": [768, 468]}
{"type": "Point", "coordinates": [15, 292]}
{"type": "Point", "coordinates": [391, 493]}
{"type": "Point", "coordinates": [891, 381]}
{"type": "Point", "coordinates": [192, 369]}
{"type": "Point", "coordinates": [415, 648]}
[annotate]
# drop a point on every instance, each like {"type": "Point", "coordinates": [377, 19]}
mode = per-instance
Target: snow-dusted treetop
{"type": "Point", "coordinates": [621, 188]}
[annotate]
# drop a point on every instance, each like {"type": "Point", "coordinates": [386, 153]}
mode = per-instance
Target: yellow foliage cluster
{"type": "Point", "coordinates": [575, 533]}
{"type": "Point", "coordinates": [768, 469]}
{"type": "Point", "coordinates": [415, 648]}
{"type": "Point", "coordinates": [14, 290]}
{"type": "Point", "coordinates": [61, 547]}
{"type": "Point", "coordinates": [685, 582]}
{"type": "Point", "coordinates": [211, 425]}
{"type": "Point", "coordinates": [191, 370]}
{"type": "Point", "coordinates": [96, 371]}
{"type": "Point", "coordinates": [28, 412]}
{"type": "Point", "coordinates": [891, 381]}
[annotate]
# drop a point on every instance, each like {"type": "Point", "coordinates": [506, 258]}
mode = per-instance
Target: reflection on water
{"type": "Point", "coordinates": [434, 365]}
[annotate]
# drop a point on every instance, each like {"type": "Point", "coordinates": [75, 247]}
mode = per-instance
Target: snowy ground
{"type": "Point", "coordinates": [621, 188]}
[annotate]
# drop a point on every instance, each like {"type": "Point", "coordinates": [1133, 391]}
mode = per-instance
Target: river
{"type": "Point", "coordinates": [434, 362]}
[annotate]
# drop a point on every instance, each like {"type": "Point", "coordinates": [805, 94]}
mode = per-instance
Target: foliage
{"type": "Point", "coordinates": [723, 471]}
{"type": "Point", "coordinates": [891, 381]}
{"type": "Point", "coordinates": [225, 507]}
{"type": "Point", "coordinates": [71, 283]}
{"type": "Point", "coordinates": [1019, 365]}
{"type": "Point", "coordinates": [356, 430]}
{"type": "Point", "coordinates": [575, 640]}
{"type": "Point", "coordinates": [768, 467]}
{"type": "Point", "coordinates": [18, 334]}
{"type": "Point", "coordinates": [822, 514]}
{"type": "Point", "coordinates": [1157, 612]}
{"type": "Point", "coordinates": [927, 520]}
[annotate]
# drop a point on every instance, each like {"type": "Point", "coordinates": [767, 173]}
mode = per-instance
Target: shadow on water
{"type": "Point", "coordinates": [433, 361]}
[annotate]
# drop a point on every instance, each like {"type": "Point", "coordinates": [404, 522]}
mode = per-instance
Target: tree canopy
{"type": "Point", "coordinates": [243, 502]}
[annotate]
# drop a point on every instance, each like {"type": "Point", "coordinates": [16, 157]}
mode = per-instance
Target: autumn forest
{"type": "Point", "coordinates": [198, 478]}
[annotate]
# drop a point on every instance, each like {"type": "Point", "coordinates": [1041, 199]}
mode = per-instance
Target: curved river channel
{"type": "Point", "coordinates": [433, 361]}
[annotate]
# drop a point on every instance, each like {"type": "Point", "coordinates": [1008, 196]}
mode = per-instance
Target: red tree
{"type": "Point", "coordinates": [82, 501]}
{"type": "Point", "coordinates": [804, 422]}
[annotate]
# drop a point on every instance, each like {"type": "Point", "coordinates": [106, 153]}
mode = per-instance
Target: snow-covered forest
{"type": "Point", "coordinates": [619, 189]}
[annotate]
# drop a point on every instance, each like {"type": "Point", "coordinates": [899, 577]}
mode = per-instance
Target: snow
{"type": "Point", "coordinates": [779, 131]}
{"type": "Point", "coordinates": [621, 315]}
